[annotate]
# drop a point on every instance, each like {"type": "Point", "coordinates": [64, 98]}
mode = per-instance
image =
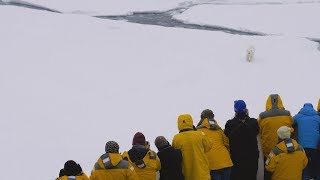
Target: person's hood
{"type": "Point", "coordinates": [318, 106]}
{"type": "Point", "coordinates": [282, 145]}
{"type": "Point", "coordinates": [115, 158]}
{"type": "Point", "coordinates": [209, 124]}
{"type": "Point", "coordinates": [185, 122]}
{"type": "Point", "coordinates": [274, 102]}
{"type": "Point", "coordinates": [308, 110]}
{"type": "Point", "coordinates": [137, 152]}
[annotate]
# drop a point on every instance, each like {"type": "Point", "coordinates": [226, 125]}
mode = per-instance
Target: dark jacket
{"type": "Point", "coordinates": [171, 160]}
{"type": "Point", "coordinates": [242, 132]}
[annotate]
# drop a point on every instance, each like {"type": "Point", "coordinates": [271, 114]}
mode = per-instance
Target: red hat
{"type": "Point", "coordinates": [139, 139]}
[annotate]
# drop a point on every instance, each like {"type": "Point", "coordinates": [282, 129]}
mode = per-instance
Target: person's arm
{"type": "Point", "coordinates": [225, 140]}
{"type": "Point", "coordinates": [256, 126]}
{"type": "Point", "coordinates": [227, 129]}
{"type": "Point", "coordinates": [207, 143]}
{"type": "Point", "coordinates": [271, 163]}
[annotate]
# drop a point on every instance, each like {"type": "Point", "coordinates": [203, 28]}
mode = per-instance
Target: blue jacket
{"type": "Point", "coordinates": [308, 122]}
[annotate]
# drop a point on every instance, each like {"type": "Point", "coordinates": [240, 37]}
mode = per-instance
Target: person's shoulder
{"type": "Point", "coordinates": [232, 122]}
{"type": "Point", "coordinates": [253, 120]}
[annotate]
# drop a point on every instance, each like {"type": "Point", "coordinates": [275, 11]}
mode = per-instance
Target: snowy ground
{"type": "Point", "coordinates": [69, 83]}
{"type": "Point", "coordinates": [277, 19]}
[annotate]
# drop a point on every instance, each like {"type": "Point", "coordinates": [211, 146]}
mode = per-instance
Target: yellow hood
{"type": "Point", "coordinates": [115, 158]}
{"type": "Point", "coordinates": [318, 105]}
{"type": "Point", "coordinates": [274, 102]}
{"type": "Point", "coordinates": [185, 122]}
{"type": "Point", "coordinates": [206, 123]}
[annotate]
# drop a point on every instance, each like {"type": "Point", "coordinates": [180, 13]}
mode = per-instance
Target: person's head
{"type": "Point", "coordinates": [274, 102]}
{"type": "Point", "coordinates": [71, 168]}
{"type": "Point", "coordinates": [284, 132]}
{"type": "Point", "coordinates": [161, 142]}
{"type": "Point", "coordinates": [112, 147]}
{"type": "Point", "coordinates": [240, 107]}
{"type": "Point", "coordinates": [139, 139]}
{"type": "Point", "coordinates": [207, 113]}
{"type": "Point", "coordinates": [185, 121]}
{"type": "Point", "coordinates": [318, 105]}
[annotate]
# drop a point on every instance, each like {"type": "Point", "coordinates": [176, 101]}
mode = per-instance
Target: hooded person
{"type": "Point", "coordinates": [242, 132]}
{"type": "Point", "coordinates": [318, 109]}
{"type": "Point", "coordinates": [170, 158]}
{"type": "Point", "coordinates": [111, 166]}
{"type": "Point", "coordinates": [219, 159]}
{"type": "Point", "coordinates": [193, 145]}
{"type": "Point", "coordinates": [145, 161]}
{"type": "Point", "coordinates": [308, 123]}
{"type": "Point", "coordinates": [269, 122]}
{"type": "Point", "coordinates": [287, 159]}
{"type": "Point", "coordinates": [72, 171]}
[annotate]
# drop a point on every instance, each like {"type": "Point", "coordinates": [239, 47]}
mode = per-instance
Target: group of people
{"type": "Point", "coordinates": [290, 147]}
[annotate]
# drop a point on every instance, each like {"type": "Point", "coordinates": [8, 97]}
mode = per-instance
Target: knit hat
{"type": "Point", "coordinates": [240, 106]}
{"type": "Point", "coordinates": [139, 139]}
{"type": "Point", "coordinates": [161, 142]}
{"type": "Point", "coordinates": [71, 168]}
{"type": "Point", "coordinates": [284, 132]}
{"type": "Point", "coordinates": [207, 113]}
{"type": "Point", "coordinates": [112, 147]}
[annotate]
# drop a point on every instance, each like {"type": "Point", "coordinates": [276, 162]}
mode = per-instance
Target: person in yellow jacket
{"type": "Point", "coordinates": [269, 122]}
{"type": "Point", "coordinates": [287, 159]}
{"type": "Point", "coordinates": [193, 145]}
{"type": "Point", "coordinates": [72, 171]}
{"type": "Point", "coordinates": [111, 166]}
{"type": "Point", "coordinates": [145, 161]}
{"type": "Point", "coordinates": [220, 162]}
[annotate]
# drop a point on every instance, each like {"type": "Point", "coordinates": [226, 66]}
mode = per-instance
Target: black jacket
{"type": "Point", "coordinates": [171, 160]}
{"type": "Point", "coordinates": [242, 132]}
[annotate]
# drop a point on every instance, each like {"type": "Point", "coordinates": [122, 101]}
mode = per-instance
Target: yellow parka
{"type": "Point", "coordinates": [83, 176]}
{"type": "Point", "coordinates": [218, 156]}
{"type": "Point", "coordinates": [193, 145]}
{"type": "Point", "coordinates": [151, 165]}
{"type": "Point", "coordinates": [318, 106]}
{"type": "Point", "coordinates": [286, 163]}
{"type": "Point", "coordinates": [111, 166]}
{"type": "Point", "coordinates": [271, 120]}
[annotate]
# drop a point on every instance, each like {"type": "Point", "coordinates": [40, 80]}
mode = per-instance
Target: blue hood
{"type": "Point", "coordinates": [308, 110]}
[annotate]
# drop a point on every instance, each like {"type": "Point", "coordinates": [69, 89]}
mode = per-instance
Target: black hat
{"type": "Point", "coordinates": [112, 147]}
{"type": "Point", "coordinates": [71, 168]}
